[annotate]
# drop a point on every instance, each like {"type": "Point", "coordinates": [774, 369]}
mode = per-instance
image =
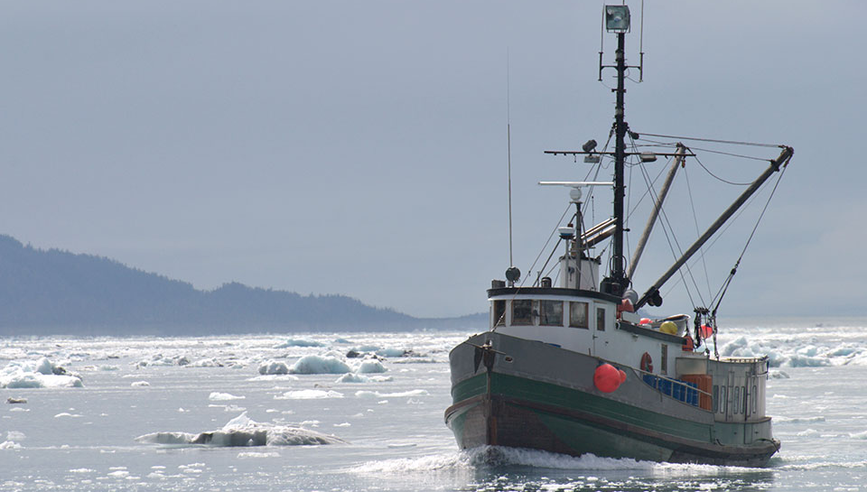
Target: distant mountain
{"type": "Point", "coordinates": [53, 291]}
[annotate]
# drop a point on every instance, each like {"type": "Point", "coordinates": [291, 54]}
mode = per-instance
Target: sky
{"type": "Point", "coordinates": [359, 148]}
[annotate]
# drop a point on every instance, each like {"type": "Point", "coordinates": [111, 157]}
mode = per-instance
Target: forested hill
{"type": "Point", "coordinates": [57, 292]}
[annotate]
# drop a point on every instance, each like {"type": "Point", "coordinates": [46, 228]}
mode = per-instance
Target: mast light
{"type": "Point", "coordinates": [617, 18]}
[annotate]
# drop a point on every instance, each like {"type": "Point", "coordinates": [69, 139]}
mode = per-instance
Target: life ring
{"type": "Point", "coordinates": [646, 363]}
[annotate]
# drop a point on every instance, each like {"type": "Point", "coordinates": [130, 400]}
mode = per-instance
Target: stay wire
{"type": "Point", "coordinates": [697, 230]}
{"type": "Point", "coordinates": [728, 280]}
{"type": "Point", "coordinates": [697, 139]}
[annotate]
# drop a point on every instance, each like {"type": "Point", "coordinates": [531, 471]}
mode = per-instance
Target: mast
{"type": "Point", "coordinates": [618, 282]}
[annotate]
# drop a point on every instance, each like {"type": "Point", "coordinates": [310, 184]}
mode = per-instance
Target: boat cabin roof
{"type": "Point", "coordinates": [550, 291]}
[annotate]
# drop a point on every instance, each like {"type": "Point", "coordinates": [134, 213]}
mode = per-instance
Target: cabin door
{"type": "Point", "coordinates": [601, 315]}
{"type": "Point", "coordinates": [730, 387]}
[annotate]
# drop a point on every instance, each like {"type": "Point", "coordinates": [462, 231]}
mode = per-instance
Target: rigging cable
{"type": "Point", "coordinates": [697, 230]}
{"type": "Point", "coordinates": [731, 142]}
{"type": "Point", "coordinates": [728, 280]}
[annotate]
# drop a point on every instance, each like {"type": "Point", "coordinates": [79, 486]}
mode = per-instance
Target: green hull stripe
{"type": "Point", "coordinates": [575, 400]}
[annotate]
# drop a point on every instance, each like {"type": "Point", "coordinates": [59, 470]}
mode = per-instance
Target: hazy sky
{"type": "Point", "coordinates": [359, 148]}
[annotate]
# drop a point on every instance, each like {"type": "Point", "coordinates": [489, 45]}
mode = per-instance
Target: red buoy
{"type": "Point", "coordinates": [607, 378]}
{"type": "Point", "coordinates": [705, 331]}
{"type": "Point", "coordinates": [644, 321]}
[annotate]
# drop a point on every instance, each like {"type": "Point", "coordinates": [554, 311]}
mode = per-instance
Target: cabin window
{"type": "Point", "coordinates": [551, 313]}
{"type": "Point", "coordinates": [499, 313]}
{"type": "Point", "coordinates": [663, 368]}
{"type": "Point", "coordinates": [522, 312]}
{"type": "Point", "coordinates": [578, 314]}
{"type": "Point", "coordinates": [600, 319]}
{"type": "Point", "coordinates": [722, 399]}
{"type": "Point", "coordinates": [715, 398]}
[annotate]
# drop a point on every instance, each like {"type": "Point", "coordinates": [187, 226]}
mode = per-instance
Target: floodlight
{"type": "Point", "coordinates": [617, 18]}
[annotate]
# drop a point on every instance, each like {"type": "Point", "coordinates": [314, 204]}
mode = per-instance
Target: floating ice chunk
{"type": "Point", "coordinates": [140, 384]}
{"type": "Point", "coordinates": [858, 435]}
{"type": "Point", "coordinates": [216, 396]}
{"type": "Point", "coordinates": [15, 435]}
{"type": "Point", "coordinates": [67, 414]}
{"type": "Point", "coordinates": [243, 431]}
{"type": "Point", "coordinates": [391, 352]}
{"type": "Point", "coordinates": [37, 374]}
{"type": "Point", "coordinates": [370, 366]}
{"type": "Point", "coordinates": [358, 378]}
{"type": "Point", "coordinates": [273, 367]}
{"type": "Point", "coordinates": [44, 366]}
{"type": "Point", "coordinates": [252, 454]}
{"type": "Point", "coordinates": [377, 394]}
{"type": "Point", "coordinates": [317, 364]}
{"type": "Point", "coordinates": [797, 420]}
{"type": "Point", "coordinates": [10, 445]}
{"type": "Point", "coordinates": [299, 342]}
{"type": "Point", "coordinates": [352, 378]}
{"type": "Point", "coordinates": [212, 362]}
{"type": "Point", "coordinates": [311, 394]}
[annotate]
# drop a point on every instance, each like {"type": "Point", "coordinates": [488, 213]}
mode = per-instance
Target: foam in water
{"type": "Point", "coordinates": [495, 457]}
{"type": "Point", "coordinates": [243, 431]}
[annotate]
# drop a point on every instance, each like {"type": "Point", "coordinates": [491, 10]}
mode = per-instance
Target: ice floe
{"type": "Point", "coordinates": [217, 396]}
{"type": "Point", "coordinates": [358, 378]}
{"type": "Point", "coordinates": [299, 342]}
{"type": "Point", "coordinates": [309, 394]}
{"type": "Point", "coordinates": [273, 367]}
{"type": "Point", "coordinates": [377, 394]}
{"type": "Point", "coordinates": [9, 445]}
{"type": "Point", "coordinates": [243, 431]}
{"type": "Point", "coordinates": [370, 366]}
{"type": "Point", "coordinates": [319, 364]}
{"type": "Point", "coordinates": [41, 373]}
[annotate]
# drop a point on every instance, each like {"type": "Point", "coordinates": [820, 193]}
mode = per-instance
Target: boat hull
{"type": "Point", "coordinates": [538, 396]}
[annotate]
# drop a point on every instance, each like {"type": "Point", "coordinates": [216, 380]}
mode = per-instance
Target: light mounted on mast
{"type": "Point", "coordinates": [617, 18]}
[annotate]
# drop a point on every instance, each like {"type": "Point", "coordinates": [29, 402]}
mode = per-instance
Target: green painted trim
{"type": "Point", "coordinates": [469, 388]}
{"type": "Point", "coordinates": [551, 394]}
{"type": "Point", "coordinates": [576, 400]}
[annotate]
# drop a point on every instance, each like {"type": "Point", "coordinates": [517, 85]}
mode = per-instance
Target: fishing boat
{"type": "Point", "coordinates": [570, 364]}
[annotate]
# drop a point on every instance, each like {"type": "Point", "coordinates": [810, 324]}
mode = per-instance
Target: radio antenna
{"type": "Point", "coordinates": [509, 150]}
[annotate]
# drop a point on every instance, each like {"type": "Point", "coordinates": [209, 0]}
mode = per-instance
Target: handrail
{"type": "Point", "coordinates": [675, 381]}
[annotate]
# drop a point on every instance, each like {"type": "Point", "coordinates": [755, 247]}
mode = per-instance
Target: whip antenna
{"type": "Point", "coordinates": [509, 151]}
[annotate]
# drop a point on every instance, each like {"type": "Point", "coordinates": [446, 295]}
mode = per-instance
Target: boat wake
{"type": "Point", "coordinates": [504, 459]}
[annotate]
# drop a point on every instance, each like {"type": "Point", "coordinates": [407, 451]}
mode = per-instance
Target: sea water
{"type": "Point", "coordinates": [125, 414]}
